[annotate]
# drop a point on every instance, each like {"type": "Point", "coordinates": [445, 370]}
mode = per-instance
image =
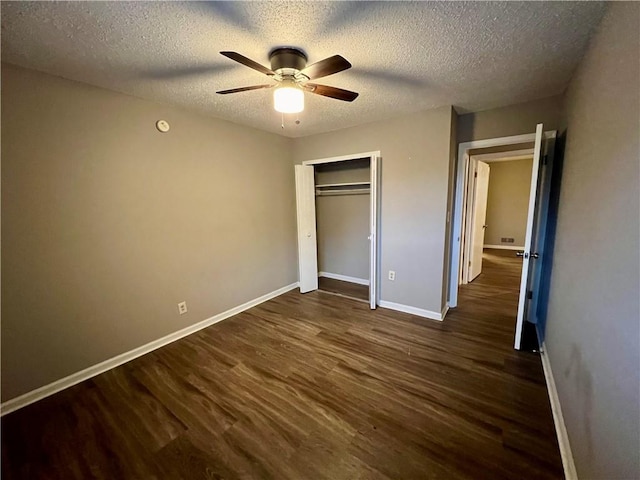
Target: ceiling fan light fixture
{"type": "Point", "coordinates": [288, 98]}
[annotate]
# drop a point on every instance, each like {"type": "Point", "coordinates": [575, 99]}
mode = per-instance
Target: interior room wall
{"type": "Point", "coordinates": [415, 151]}
{"type": "Point", "coordinates": [508, 202]}
{"type": "Point", "coordinates": [592, 331]}
{"type": "Point", "coordinates": [107, 223]}
{"type": "Point", "coordinates": [518, 119]}
{"type": "Point", "coordinates": [343, 222]}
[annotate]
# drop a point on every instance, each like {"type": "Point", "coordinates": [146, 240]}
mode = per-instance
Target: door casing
{"type": "Point", "coordinates": [490, 158]}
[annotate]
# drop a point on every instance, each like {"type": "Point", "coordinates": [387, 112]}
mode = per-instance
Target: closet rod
{"type": "Point", "coordinates": [348, 184]}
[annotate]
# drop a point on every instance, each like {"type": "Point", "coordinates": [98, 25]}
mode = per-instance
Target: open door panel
{"type": "Point", "coordinates": [306, 219]}
{"type": "Point", "coordinates": [528, 255]}
{"type": "Point", "coordinates": [373, 234]}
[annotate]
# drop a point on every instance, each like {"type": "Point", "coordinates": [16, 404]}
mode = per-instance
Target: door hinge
{"type": "Point", "coordinates": [475, 174]}
{"type": "Point", "coordinates": [530, 294]}
{"type": "Point", "coordinates": [545, 159]}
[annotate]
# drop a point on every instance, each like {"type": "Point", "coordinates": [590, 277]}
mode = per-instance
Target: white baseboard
{"type": "Point", "coordinates": [412, 310]}
{"type": "Point", "coordinates": [505, 247]}
{"type": "Point", "coordinates": [568, 464]}
{"type": "Point", "coordinates": [344, 278]}
{"type": "Point", "coordinates": [444, 311]}
{"type": "Point", "coordinates": [66, 382]}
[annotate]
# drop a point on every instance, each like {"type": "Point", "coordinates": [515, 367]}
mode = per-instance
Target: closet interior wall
{"type": "Point", "coordinates": [342, 218]}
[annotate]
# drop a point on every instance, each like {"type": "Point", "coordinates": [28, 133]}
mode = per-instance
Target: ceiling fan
{"type": "Point", "coordinates": [292, 75]}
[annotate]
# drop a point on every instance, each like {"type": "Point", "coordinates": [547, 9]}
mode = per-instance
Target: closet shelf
{"type": "Point", "coordinates": [351, 188]}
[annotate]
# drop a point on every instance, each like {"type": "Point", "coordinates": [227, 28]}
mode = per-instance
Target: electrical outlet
{"type": "Point", "coordinates": [182, 308]}
{"type": "Point", "coordinates": [392, 275]}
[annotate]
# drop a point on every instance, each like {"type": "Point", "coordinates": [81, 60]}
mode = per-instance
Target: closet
{"type": "Point", "coordinates": [342, 193]}
{"type": "Point", "coordinates": [337, 206]}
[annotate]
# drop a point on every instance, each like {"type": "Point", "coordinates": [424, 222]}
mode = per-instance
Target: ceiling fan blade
{"type": "Point", "coordinates": [332, 92]}
{"type": "Point", "coordinates": [325, 67]}
{"type": "Point", "coordinates": [248, 62]}
{"type": "Point", "coordinates": [244, 89]}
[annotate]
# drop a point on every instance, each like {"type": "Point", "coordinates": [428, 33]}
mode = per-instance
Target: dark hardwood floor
{"type": "Point", "coordinates": [310, 386]}
{"type": "Point", "coordinates": [346, 289]}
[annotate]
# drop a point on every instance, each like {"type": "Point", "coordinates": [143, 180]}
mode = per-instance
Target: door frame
{"type": "Point", "coordinates": [489, 158]}
{"type": "Point", "coordinates": [374, 213]}
{"type": "Point", "coordinates": [460, 200]}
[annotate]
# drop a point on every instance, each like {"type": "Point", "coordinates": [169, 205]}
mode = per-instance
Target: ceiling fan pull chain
{"type": "Point", "coordinates": [282, 124]}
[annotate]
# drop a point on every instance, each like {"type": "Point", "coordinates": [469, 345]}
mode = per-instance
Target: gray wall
{"type": "Point", "coordinates": [415, 152]}
{"type": "Point", "coordinates": [593, 331]}
{"type": "Point", "coordinates": [512, 120]}
{"type": "Point", "coordinates": [107, 224]}
{"type": "Point", "coordinates": [508, 201]}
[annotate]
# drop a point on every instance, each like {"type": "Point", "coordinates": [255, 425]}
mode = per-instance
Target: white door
{"type": "Point", "coordinates": [464, 254]}
{"type": "Point", "coordinates": [478, 226]}
{"type": "Point", "coordinates": [373, 234]}
{"type": "Point", "coordinates": [306, 214]}
{"type": "Point", "coordinates": [530, 256]}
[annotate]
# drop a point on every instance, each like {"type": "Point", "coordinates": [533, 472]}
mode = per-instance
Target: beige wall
{"type": "Point", "coordinates": [107, 224]}
{"type": "Point", "coordinates": [593, 331]}
{"type": "Point", "coordinates": [508, 201]}
{"type": "Point", "coordinates": [512, 120]}
{"type": "Point", "coordinates": [415, 152]}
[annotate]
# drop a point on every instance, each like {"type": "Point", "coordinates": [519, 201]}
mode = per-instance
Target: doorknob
{"type": "Point", "coordinates": [309, 234]}
{"type": "Point", "coordinates": [534, 255]}
{"type": "Point", "coordinates": [522, 254]}
{"type": "Point", "coordinates": [485, 226]}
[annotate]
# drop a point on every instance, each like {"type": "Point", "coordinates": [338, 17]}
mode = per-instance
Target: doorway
{"type": "Point", "coordinates": [537, 204]}
{"type": "Point", "coordinates": [497, 202]}
{"type": "Point", "coordinates": [337, 210]}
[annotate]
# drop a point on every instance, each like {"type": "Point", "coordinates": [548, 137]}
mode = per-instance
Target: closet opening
{"type": "Point", "coordinates": [343, 191]}
{"type": "Point", "coordinates": [337, 207]}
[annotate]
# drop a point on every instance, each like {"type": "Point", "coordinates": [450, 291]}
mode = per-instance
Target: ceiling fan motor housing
{"type": "Point", "coordinates": [284, 60]}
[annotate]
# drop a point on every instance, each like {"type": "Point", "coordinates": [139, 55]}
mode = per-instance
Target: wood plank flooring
{"type": "Point", "coordinates": [346, 289]}
{"type": "Point", "coordinates": [310, 386]}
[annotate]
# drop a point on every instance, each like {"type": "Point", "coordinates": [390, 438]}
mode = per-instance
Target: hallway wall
{"type": "Point", "coordinates": [508, 202]}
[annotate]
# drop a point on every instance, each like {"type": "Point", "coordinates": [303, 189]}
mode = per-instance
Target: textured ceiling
{"type": "Point", "coordinates": [406, 56]}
